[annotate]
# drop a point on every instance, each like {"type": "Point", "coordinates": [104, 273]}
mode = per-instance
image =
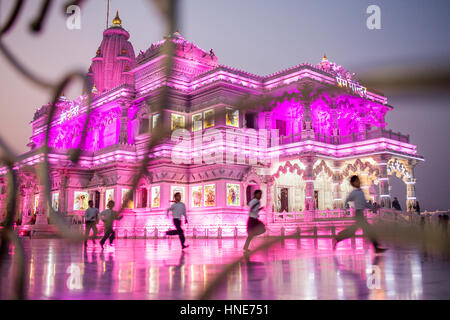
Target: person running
{"type": "Point", "coordinates": [108, 216]}
{"type": "Point", "coordinates": [254, 226]}
{"type": "Point", "coordinates": [360, 203]}
{"type": "Point", "coordinates": [178, 209]}
{"type": "Point", "coordinates": [91, 220]}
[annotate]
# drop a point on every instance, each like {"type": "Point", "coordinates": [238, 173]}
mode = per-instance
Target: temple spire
{"type": "Point", "coordinates": [117, 22]}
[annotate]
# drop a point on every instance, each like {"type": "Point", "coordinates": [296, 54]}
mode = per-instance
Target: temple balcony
{"type": "Point", "coordinates": [355, 144]}
{"type": "Point", "coordinates": [344, 139]}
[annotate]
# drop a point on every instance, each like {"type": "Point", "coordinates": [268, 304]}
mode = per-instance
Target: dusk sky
{"type": "Point", "coordinates": [260, 37]}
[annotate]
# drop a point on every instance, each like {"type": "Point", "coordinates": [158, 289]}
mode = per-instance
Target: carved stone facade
{"type": "Point", "coordinates": [298, 135]}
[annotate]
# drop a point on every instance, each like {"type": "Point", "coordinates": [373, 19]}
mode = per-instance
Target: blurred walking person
{"type": "Point", "coordinates": [360, 203]}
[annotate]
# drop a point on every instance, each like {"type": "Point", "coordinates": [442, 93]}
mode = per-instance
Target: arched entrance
{"type": "Point", "coordinates": [397, 189]}
{"type": "Point", "coordinates": [252, 182]}
{"type": "Point", "coordinates": [402, 183]}
{"type": "Point", "coordinates": [289, 192]}
{"type": "Point", "coordinates": [323, 191]}
{"type": "Point", "coordinates": [368, 173]}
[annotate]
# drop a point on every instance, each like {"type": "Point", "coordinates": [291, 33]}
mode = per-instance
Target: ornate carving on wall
{"type": "Point", "coordinates": [398, 168]}
{"type": "Point", "coordinates": [251, 176]}
{"type": "Point", "coordinates": [111, 179]}
{"type": "Point", "coordinates": [323, 167]}
{"type": "Point", "coordinates": [147, 178]}
{"type": "Point", "coordinates": [358, 165]}
{"type": "Point", "coordinates": [96, 180]}
{"type": "Point", "coordinates": [288, 166]}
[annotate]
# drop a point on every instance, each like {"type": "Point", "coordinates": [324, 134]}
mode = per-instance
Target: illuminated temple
{"type": "Point", "coordinates": [315, 128]}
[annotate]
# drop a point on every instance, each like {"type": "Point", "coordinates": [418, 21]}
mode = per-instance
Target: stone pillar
{"type": "Point", "coordinates": [118, 198]}
{"type": "Point", "coordinates": [123, 137]}
{"type": "Point", "coordinates": [91, 195]}
{"type": "Point", "coordinates": [307, 126]}
{"type": "Point", "coordinates": [411, 194]}
{"type": "Point", "coordinates": [309, 178]}
{"type": "Point", "coordinates": [338, 202]}
{"type": "Point", "coordinates": [62, 207]}
{"type": "Point", "coordinates": [268, 121]}
{"type": "Point", "coordinates": [26, 206]}
{"type": "Point", "coordinates": [102, 199]}
{"type": "Point", "coordinates": [411, 186]}
{"type": "Point", "coordinates": [41, 217]}
{"type": "Point", "coordinates": [64, 179]}
{"type": "Point", "coordinates": [149, 197]}
{"type": "Point", "coordinates": [269, 200]}
{"type": "Point", "coordinates": [137, 198]}
{"type": "Point", "coordinates": [19, 205]}
{"type": "Point", "coordinates": [385, 197]}
{"type": "Point", "coordinates": [334, 114]}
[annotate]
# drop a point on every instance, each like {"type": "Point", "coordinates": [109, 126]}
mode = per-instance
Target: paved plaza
{"type": "Point", "coordinates": [293, 269]}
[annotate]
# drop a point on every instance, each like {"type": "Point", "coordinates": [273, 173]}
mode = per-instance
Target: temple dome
{"type": "Point", "coordinates": [114, 59]}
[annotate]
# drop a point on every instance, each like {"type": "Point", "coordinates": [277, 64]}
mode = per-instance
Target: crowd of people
{"type": "Point", "coordinates": [254, 226]}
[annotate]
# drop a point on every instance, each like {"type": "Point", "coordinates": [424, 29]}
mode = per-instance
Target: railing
{"type": "Point", "coordinates": [317, 215]}
{"type": "Point", "coordinates": [412, 217]}
{"type": "Point", "coordinates": [347, 214]}
{"type": "Point", "coordinates": [315, 224]}
{"type": "Point", "coordinates": [354, 137]}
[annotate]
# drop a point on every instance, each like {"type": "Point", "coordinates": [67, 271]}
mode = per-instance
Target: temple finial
{"type": "Point", "coordinates": [117, 21]}
{"type": "Point", "coordinates": [177, 34]}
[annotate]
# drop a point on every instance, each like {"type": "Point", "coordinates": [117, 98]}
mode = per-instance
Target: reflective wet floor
{"type": "Point", "coordinates": [293, 269]}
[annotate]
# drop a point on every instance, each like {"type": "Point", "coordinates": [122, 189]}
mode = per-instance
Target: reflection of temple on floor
{"type": "Point", "coordinates": [317, 128]}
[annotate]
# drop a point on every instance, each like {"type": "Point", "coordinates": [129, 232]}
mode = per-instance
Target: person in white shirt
{"type": "Point", "coordinates": [178, 209]}
{"type": "Point", "coordinates": [91, 220]}
{"type": "Point", "coordinates": [108, 216]}
{"type": "Point", "coordinates": [360, 203]}
{"type": "Point", "coordinates": [254, 226]}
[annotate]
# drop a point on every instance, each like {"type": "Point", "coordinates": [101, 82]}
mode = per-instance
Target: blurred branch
{"type": "Point", "coordinates": [36, 26]}
{"type": "Point", "coordinates": [12, 17]}
{"type": "Point", "coordinates": [411, 76]}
